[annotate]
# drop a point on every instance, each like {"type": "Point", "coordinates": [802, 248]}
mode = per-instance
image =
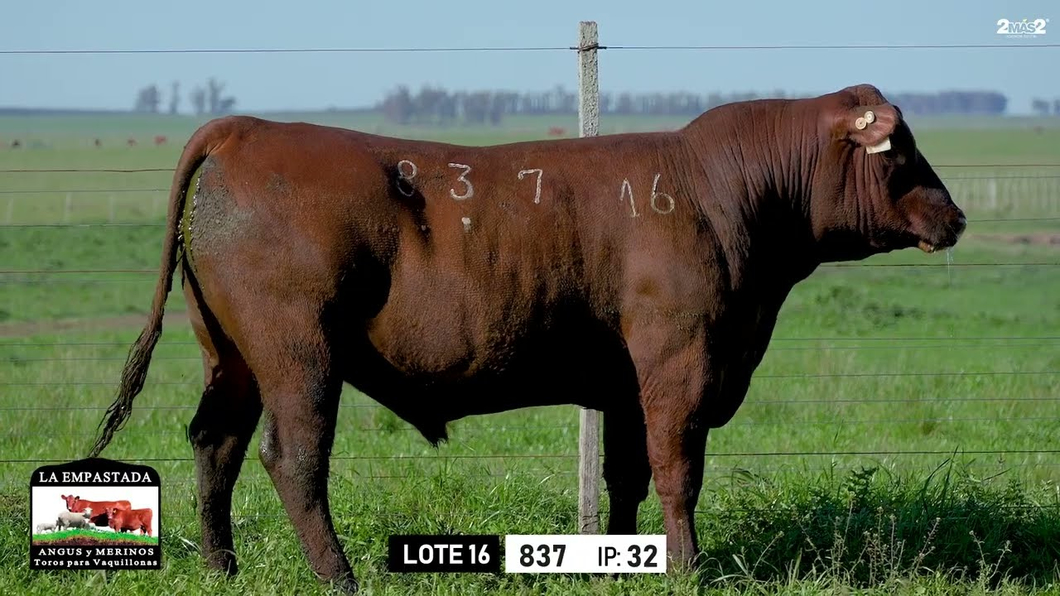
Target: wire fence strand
{"type": "Point", "coordinates": [1019, 338]}
{"type": "Point", "coordinates": [762, 377]}
{"type": "Point", "coordinates": [749, 403]}
{"type": "Point", "coordinates": [154, 272]}
{"type": "Point", "coordinates": [146, 224]}
{"type": "Point", "coordinates": [169, 169]}
{"type": "Point", "coordinates": [554, 48]}
{"type": "Point", "coordinates": [548, 456]}
{"type": "Point", "coordinates": [189, 358]}
{"type": "Point", "coordinates": [490, 430]}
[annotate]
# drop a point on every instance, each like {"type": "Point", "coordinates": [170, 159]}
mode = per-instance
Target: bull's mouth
{"type": "Point", "coordinates": [930, 246]}
{"type": "Point", "coordinates": [927, 247]}
{"type": "Point", "coordinates": [950, 238]}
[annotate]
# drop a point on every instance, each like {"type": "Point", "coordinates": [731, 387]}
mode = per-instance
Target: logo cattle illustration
{"type": "Point", "coordinates": [130, 520]}
{"type": "Point", "coordinates": [98, 509]}
{"type": "Point", "coordinates": [45, 527]}
{"type": "Point", "coordinates": [637, 274]}
{"type": "Point", "coordinates": [69, 519]}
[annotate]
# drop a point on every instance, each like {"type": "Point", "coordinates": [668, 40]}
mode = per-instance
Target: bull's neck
{"type": "Point", "coordinates": [758, 160]}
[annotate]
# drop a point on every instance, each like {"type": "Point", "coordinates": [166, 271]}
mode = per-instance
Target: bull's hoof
{"type": "Point", "coordinates": [685, 563]}
{"type": "Point", "coordinates": [681, 562]}
{"type": "Point", "coordinates": [223, 561]}
{"type": "Point", "coordinates": [345, 585]}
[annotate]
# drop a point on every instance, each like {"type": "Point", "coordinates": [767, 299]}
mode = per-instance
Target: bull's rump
{"type": "Point", "coordinates": [452, 268]}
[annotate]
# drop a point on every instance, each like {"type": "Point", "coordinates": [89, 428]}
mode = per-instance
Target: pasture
{"type": "Point", "coordinates": [900, 434]}
{"type": "Point", "coordinates": [93, 537]}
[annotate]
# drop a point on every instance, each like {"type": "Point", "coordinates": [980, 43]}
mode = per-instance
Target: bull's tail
{"type": "Point", "coordinates": [206, 139]}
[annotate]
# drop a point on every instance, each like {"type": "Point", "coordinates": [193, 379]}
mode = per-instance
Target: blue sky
{"type": "Point", "coordinates": [308, 81]}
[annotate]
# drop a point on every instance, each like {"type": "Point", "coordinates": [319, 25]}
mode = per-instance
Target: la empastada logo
{"type": "Point", "coordinates": [95, 514]}
{"type": "Point", "coordinates": [133, 478]}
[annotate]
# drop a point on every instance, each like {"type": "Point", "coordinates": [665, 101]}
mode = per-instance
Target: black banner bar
{"type": "Point", "coordinates": [442, 553]}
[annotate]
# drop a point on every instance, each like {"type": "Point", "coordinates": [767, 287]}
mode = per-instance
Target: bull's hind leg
{"type": "Point", "coordinates": [220, 433]}
{"type": "Point", "coordinates": [626, 469]}
{"type": "Point", "coordinates": [301, 391]}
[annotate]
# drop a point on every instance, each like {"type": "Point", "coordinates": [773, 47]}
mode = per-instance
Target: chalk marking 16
{"type": "Point", "coordinates": [537, 191]}
{"type": "Point", "coordinates": [407, 177]}
{"type": "Point", "coordinates": [655, 194]}
{"type": "Point", "coordinates": [470, 192]}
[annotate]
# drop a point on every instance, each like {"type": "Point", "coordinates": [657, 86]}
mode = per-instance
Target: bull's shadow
{"type": "Point", "coordinates": [869, 528]}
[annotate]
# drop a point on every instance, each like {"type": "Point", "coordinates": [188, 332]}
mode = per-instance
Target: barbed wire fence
{"type": "Point", "coordinates": [997, 192]}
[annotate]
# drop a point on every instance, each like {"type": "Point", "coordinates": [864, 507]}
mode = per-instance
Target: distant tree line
{"type": "Point", "coordinates": [1042, 106]}
{"type": "Point", "coordinates": [204, 99]}
{"type": "Point", "coordinates": [438, 106]}
{"type": "Point", "coordinates": [432, 105]}
{"type": "Point", "coordinates": [990, 103]}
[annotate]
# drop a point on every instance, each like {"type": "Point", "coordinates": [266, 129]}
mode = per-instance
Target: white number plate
{"type": "Point", "coordinates": [591, 553]}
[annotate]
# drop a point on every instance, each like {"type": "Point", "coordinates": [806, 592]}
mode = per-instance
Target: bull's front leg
{"type": "Point", "coordinates": [673, 371]}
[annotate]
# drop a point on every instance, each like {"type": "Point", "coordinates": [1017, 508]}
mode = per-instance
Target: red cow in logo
{"type": "Point", "coordinates": [130, 520]}
{"type": "Point", "coordinates": [99, 508]}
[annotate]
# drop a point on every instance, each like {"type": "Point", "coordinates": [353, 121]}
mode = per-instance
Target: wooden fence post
{"type": "Point", "coordinates": [589, 420]}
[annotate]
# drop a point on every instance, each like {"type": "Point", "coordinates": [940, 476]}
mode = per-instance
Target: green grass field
{"type": "Point", "coordinates": [100, 535]}
{"type": "Point", "coordinates": [900, 435]}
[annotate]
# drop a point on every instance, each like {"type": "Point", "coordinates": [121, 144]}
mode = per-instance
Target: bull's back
{"type": "Point", "coordinates": [541, 204]}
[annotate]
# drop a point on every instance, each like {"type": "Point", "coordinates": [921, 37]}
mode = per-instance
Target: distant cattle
{"type": "Point", "coordinates": [16, 144]}
{"type": "Point", "coordinates": [131, 142]}
{"type": "Point", "coordinates": [69, 519]}
{"type": "Point", "coordinates": [99, 508]}
{"type": "Point", "coordinates": [98, 143]}
{"type": "Point", "coordinates": [637, 274]}
{"type": "Point", "coordinates": [130, 520]}
{"type": "Point", "coordinates": [160, 140]}
{"type": "Point", "coordinates": [556, 131]}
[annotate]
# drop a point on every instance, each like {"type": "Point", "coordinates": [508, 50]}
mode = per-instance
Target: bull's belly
{"type": "Point", "coordinates": [440, 327]}
{"type": "Point", "coordinates": [431, 371]}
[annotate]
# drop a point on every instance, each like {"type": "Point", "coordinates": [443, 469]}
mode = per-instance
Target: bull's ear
{"type": "Point", "coordinates": [869, 126]}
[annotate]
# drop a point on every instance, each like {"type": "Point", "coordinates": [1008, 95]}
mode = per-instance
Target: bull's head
{"type": "Point", "coordinates": [70, 502]}
{"type": "Point", "coordinates": [112, 512]}
{"type": "Point", "coordinates": [874, 191]}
